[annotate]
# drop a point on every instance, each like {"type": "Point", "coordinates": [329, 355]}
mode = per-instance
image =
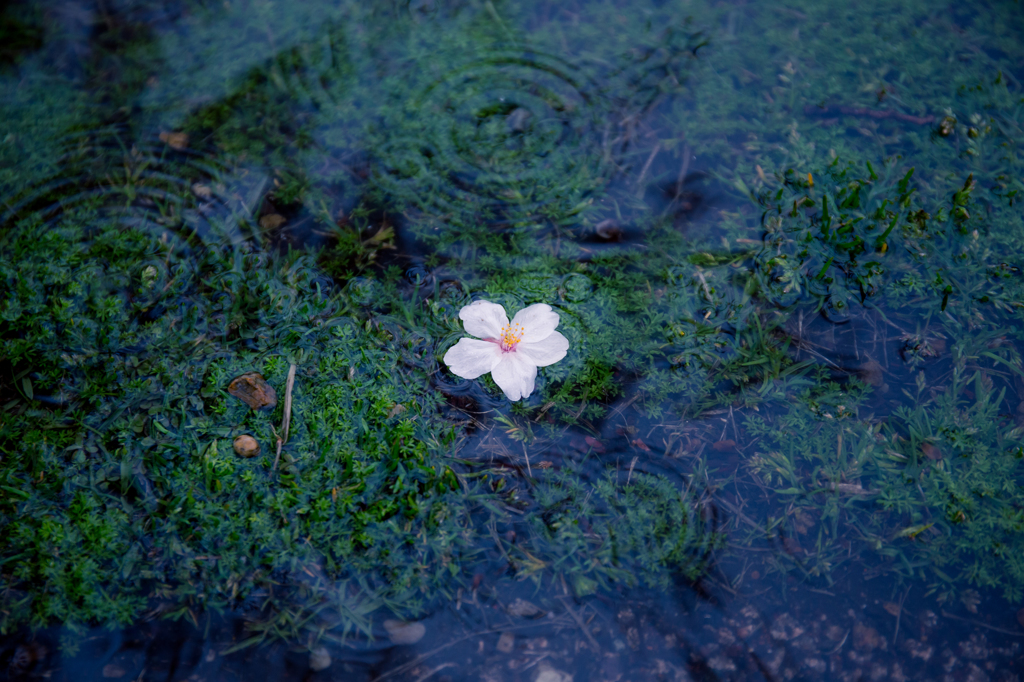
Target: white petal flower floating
{"type": "Point", "coordinates": [510, 351]}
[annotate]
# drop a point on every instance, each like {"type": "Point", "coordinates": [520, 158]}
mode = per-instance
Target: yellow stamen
{"type": "Point", "coordinates": [511, 334]}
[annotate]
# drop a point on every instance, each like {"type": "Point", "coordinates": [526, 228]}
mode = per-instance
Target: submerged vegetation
{"type": "Point", "coordinates": [789, 275]}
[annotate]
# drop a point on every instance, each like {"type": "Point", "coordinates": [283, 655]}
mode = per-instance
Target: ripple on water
{"type": "Point", "coordinates": [498, 138]}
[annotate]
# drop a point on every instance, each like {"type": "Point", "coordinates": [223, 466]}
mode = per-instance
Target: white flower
{"type": "Point", "coordinates": [511, 352]}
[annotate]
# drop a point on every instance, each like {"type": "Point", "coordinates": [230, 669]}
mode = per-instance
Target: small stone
{"type": "Point", "coordinates": [871, 372]}
{"type": "Point", "coordinates": [867, 639]}
{"type": "Point", "coordinates": [975, 648]}
{"type": "Point", "coordinates": [608, 230]}
{"type": "Point", "coordinates": [785, 628]}
{"type": "Point", "coordinates": [246, 446]}
{"type": "Point", "coordinates": [319, 659]}
{"type": "Point", "coordinates": [816, 664]}
{"type": "Point", "coordinates": [175, 140]}
{"type": "Point", "coordinates": [253, 390]}
{"type": "Point", "coordinates": [545, 673]}
{"type": "Point", "coordinates": [516, 120]}
{"type": "Point", "coordinates": [113, 670]}
{"type": "Point", "coordinates": [506, 642]}
{"type": "Point", "coordinates": [524, 609]}
{"type": "Point", "coordinates": [918, 649]}
{"type": "Point", "coordinates": [272, 221]}
{"type": "Point", "coordinates": [402, 633]}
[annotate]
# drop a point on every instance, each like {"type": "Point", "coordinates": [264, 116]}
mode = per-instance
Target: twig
{"type": "Point", "coordinates": [812, 110]}
{"type": "Point", "coordinates": [840, 645]}
{"type": "Point", "coordinates": [896, 633]}
{"type": "Point", "coordinates": [983, 625]}
{"type": "Point", "coordinates": [434, 671]}
{"type": "Point", "coordinates": [286, 422]}
{"type": "Point", "coordinates": [631, 465]}
{"type": "Point", "coordinates": [650, 160]}
{"type": "Point", "coordinates": [583, 626]}
{"type": "Point", "coordinates": [683, 170]}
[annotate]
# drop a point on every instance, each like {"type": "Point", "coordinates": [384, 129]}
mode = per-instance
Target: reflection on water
{"type": "Point", "coordinates": [783, 242]}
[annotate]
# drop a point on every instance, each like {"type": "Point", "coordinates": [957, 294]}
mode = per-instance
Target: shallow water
{"type": "Point", "coordinates": [784, 242]}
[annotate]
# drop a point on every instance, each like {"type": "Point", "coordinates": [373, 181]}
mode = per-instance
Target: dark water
{"type": "Point", "coordinates": [784, 240]}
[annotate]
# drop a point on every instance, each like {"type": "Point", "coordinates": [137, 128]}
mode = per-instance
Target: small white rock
{"type": "Point", "coordinates": [546, 673]}
{"type": "Point", "coordinates": [506, 642]}
{"type": "Point", "coordinates": [319, 659]}
{"type": "Point", "coordinates": [402, 633]}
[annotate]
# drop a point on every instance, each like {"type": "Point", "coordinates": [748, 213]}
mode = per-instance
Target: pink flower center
{"type": "Point", "coordinates": [511, 334]}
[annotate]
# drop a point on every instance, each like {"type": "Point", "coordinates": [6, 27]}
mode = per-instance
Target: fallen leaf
{"type": "Point", "coordinates": [594, 443]}
{"type": "Point", "coordinates": [914, 531]}
{"type": "Point", "coordinates": [931, 452]}
{"type": "Point", "coordinates": [891, 608]}
{"type": "Point", "coordinates": [252, 389]}
{"type": "Point", "coordinates": [724, 446]}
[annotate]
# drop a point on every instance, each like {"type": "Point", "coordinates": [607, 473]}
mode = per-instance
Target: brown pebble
{"type": "Point", "coordinates": [608, 230]}
{"type": "Point", "coordinates": [252, 389]}
{"type": "Point", "coordinates": [175, 140]}
{"type": "Point", "coordinates": [246, 446]}
{"type": "Point", "coordinates": [867, 638]}
{"type": "Point", "coordinates": [272, 221]}
{"type": "Point", "coordinates": [113, 671]}
{"type": "Point", "coordinates": [871, 372]}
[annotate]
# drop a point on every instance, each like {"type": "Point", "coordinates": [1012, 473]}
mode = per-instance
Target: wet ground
{"type": "Point", "coordinates": [784, 240]}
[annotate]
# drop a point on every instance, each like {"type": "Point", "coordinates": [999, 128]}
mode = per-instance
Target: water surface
{"type": "Point", "coordinates": [783, 240]}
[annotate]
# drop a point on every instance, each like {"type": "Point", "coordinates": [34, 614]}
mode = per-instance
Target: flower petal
{"type": "Point", "coordinates": [470, 358]}
{"type": "Point", "coordinates": [545, 352]}
{"type": "Point", "coordinates": [514, 376]}
{"type": "Point", "coordinates": [538, 321]}
{"type": "Point", "coordinates": [484, 319]}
